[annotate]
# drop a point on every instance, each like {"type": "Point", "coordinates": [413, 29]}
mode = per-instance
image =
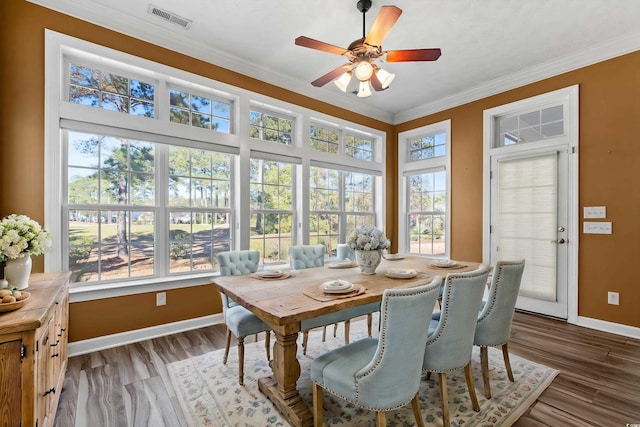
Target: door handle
{"type": "Point", "coordinates": [560, 241]}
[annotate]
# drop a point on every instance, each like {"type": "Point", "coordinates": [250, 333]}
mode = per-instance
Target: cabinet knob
{"type": "Point", "coordinates": [50, 391]}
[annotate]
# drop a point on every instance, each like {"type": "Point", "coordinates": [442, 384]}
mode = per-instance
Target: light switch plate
{"type": "Point", "coordinates": [595, 212]}
{"type": "Point", "coordinates": [590, 227]}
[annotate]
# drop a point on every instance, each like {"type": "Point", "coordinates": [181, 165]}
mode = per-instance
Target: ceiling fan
{"type": "Point", "coordinates": [362, 53]}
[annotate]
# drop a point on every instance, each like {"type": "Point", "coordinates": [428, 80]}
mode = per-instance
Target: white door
{"type": "Point", "coordinates": [529, 220]}
{"type": "Point", "coordinates": [531, 205]}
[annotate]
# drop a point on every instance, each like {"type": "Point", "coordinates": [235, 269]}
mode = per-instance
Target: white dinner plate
{"type": "Point", "coordinates": [347, 263]}
{"type": "Point", "coordinates": [270, 273]}
{"type": "Point", "coordinates": [401, 273]}
{"type": "Point", "coordinates": [394, 257]}
{"type": "Point", "coordinates": [337, 286]}
{"type": "Point", "coordinates": [445, 263]}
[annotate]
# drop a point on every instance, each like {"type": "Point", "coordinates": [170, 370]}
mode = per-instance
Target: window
{"type": "Point", "coordinates": [199, 111]}
{"type": "Point", "coordinates": [272, 203]}
{"type": "Point", "coordinates": [359, 147]}
{"type": "Point", "coordinates": [268, 126]}
{"type": "Point", "coordinates": [339, 201]}
{"type": "Point", "coordinates": [427, 212]}
{"type": "Point", "coordinates": [530, 126]}
{"type": "Point", "coordinates": [114, 208]}
{"type": "Point", "coordinates": [145, 196]}
{"type": "Point", "coordinates": [110, 91]}
{"type": "Point", "coordinates": [326, 140]}
{"type": "Point", "coordinates": [424, 169]}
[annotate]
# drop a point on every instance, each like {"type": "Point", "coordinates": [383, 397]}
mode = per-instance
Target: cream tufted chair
{"type": "Point", "coordinates": [494, 321]}
{"type": "Point", "coordinates": [240, 321]}
{"type": "Point", "coordinates": [451, 330]}
{"type": "Point", "coordinates": [381, 374]}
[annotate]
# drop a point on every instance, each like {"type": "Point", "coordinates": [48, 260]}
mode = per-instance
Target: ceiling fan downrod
{"type": "Point", "coordinates": [363, 6]}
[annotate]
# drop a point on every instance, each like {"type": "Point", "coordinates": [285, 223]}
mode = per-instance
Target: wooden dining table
{"type": "Point", "coordinates": [283, 303]}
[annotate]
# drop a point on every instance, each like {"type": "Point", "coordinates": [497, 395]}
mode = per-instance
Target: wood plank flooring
{"type": "Point", "coordinates": [599, 383]}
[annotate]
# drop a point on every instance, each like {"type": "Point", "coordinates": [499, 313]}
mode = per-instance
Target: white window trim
{"type": "Point", "coordinates": [407, 167]}
{"type": "Point", "coordinates": [59, 46]}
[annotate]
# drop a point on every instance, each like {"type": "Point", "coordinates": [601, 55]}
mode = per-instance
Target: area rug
{"type": "Point", "coordinates": [209, 393]}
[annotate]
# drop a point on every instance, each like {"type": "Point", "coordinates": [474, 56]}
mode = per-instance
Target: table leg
{"type": "Point", "coordinates": [281, 387]}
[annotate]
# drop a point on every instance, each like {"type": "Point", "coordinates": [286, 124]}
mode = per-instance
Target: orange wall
{"type": "Point", "coordinates": [609, 111]}
{"type": "Point", "coordinates": [609, 163]}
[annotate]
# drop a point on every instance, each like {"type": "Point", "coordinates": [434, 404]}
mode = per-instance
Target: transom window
{"type": "Point", "coordinates": [199, 111]}
{"type": "Point", "coordinates": [269, 126]}
{"type": "Point", "coordinates": [530, 126]}
{"type": "Point", "coordinates": [110, 91]}
{"type": "Point", "coordinates": [359, 147]}
{"type": "Point", "coordinates": [323, 139]}
{"type": "Point", "coordinates": [427, 147]}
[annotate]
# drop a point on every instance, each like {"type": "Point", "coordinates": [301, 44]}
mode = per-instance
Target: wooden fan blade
{"type": "Point", "coordinates": [413, 55]}
{"type": "Point", "coordinates": [332, 75]}
{"type": "Point", "coordinates": [318, 45]}
{"type": "Point", "coordinates": [384, 21]}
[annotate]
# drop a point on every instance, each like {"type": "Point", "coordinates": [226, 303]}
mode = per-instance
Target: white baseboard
{"type": "Point", "coordinates": [614, 328]}
{"type": "Point", "coordinates": [100, 343]}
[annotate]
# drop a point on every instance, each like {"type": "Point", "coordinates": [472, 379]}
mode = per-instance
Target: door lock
{"type": "Point", "coordinates": [560, 241]}
{"type": "Point", "coordinates": [561, 229]}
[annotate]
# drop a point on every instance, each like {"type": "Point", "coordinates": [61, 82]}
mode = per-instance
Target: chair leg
{"type": "Point", "coordinates": [415, 405]}
{"type": "Point", "coordinates": [484, 363]}
{"type": "Point", "coordinates": [507, 363]}
{"type": "Point", "coordinates": [241, 361]}
{"type": "Point", "coordinates": [317, 405]}
{"type": "Point", "coordinates": [347, 328]}
{"type": "Point", "coordinates": [267, 343]}
{"type": "Point", "coordinates": [324, 333]}
{"type": "Point", "coordinates": [369, 324]}
{"type": "Point", "coordinates": [381, 419]}
{"type": "Point", "coordinates": [226, 348]}
{"type": "Point", "coordinates": [305, 340]}
{"type": "Point", "coordinates": [468, 375]}
{"type": "Point", "coordinates": [444, 402]}
{"type": "Point", "coordinates": [335, 330]}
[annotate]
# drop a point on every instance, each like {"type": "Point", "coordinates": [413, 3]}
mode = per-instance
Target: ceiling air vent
{"type": "Point", "coordinates": [169, 16]}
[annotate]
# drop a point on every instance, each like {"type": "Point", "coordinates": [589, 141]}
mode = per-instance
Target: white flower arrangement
{"type": "Point", "coordinates": [368, 238]}
{"type": "Point", "coordinates": [21, 236]}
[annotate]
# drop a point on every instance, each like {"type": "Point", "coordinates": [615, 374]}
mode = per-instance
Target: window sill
{"type": "Point", "coordinates": [79, 292]}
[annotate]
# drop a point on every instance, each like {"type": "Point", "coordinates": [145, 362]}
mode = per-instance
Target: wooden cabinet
{"type": "Point", "coordinates": [33, 353]}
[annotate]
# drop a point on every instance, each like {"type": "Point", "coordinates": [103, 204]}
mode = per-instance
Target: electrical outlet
{"type": "Point", "coordinates": [161, 298]}
{"type": "Point", "coordinates": [613, 298]}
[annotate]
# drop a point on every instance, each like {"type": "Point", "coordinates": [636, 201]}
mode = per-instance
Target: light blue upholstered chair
{"type": "Point", "coordinates": [381, 374]}
{"type": "Point", "coordinates": [309, 256]}
{"type": "Point", "coordinates": [240, 321]}
{"type": "Point", "coordinates": [451, 331]}
{"type": "Point", "coordinates": [494, 321]}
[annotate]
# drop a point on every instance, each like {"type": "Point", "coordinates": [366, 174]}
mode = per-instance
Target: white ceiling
{"type": "Point", "coordinates": [488, 46]}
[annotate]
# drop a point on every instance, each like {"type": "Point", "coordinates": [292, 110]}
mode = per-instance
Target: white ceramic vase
{"type": "Point", "coordinates": [17, 272]}
{"type": "Point", "coordinates": [368, 261]}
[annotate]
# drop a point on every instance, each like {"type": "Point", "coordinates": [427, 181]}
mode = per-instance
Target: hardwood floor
{"type": "Point", "coordinates": [599, 383]}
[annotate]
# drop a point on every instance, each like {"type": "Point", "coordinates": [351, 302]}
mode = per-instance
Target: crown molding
{"type": "Point", "coordinates": [602, 52]}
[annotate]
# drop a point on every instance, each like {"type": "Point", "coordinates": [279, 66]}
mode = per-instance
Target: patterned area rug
{"type": "Point", "coordinates": [209, 393]}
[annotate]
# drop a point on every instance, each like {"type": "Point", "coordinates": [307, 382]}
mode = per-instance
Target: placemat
{"type": "Point", "coordinates": [285, 274]}
{"type": "Point", "coordinates": [317, 293]}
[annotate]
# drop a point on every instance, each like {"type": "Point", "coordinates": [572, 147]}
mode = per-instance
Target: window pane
{"type": "Point", "coordinates": [269, 127]}
{"type": "Point", "coordinates": [426, 218]}
{"type": "Point", "coordinates": [359, 147]}
{"type": "Point", "coordinates": [199, 111]}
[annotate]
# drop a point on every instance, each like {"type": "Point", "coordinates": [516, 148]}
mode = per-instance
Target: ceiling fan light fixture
{"type": "Point", "coordinates": [343, 81]}
{"type": "Point", "coordinates": [384, 77]}
{"type": "Point", "coordinates": [364, 90]}
{"type": "Point", "coordinates": [363, 70]}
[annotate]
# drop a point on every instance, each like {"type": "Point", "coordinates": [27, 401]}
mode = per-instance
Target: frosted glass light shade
{"type": "Point", "coordinates": [363, 71]}
{"type": "Point", "coordinates": [343, 81]}
{"type": "Point", "coordinates": [364, 89]}
{"type": "Point", "coordinates": [384, 77]}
